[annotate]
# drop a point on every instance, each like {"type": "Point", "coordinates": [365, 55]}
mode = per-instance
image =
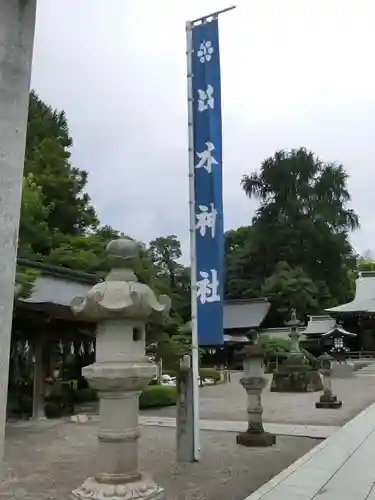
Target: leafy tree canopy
{"type": "Point", "coordinates": [289, 288]}
{"type": "Point", "coordinates": [165, 253]}
{"type": "Point", "coordinates": [62, 186]}
{"type": "Point", "coordinates": [296, 250]}
{"type": "Point", "coordinates": [303, 221]}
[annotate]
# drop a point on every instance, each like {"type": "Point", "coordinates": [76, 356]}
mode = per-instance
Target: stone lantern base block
{"type": "Point", "coordinates": [252, 439]}
{"type": "Point", "coordinates": [328, 401]}
{"type": "Point", "coordinates": [144, 489]}
{"type": "Point", "coordinates": [296, 381]}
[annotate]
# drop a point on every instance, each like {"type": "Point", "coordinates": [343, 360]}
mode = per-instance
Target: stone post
{"type": "Point", "coordinates": [327, 399]}
{"type": "Point", "coordinates": [17, 24]}
{"type": "Point", "coordinates": [38, 379]}
{"type": "Point", "coordinates": [185, 418]}
{"type": "Point", "coordinates": [254, 381]}
{"type": "Point", "coordinates": [121, 306]}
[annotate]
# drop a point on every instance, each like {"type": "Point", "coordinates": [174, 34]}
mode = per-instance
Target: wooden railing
{"type": "Point", "coordinates": [361, 355]}
{"type": "Point", "coordinates": [273, 364]}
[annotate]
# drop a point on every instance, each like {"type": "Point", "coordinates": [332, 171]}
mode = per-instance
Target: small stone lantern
{"type": "Point", "coordinates": [327, 400]}
{"type": "Point", "coordinates": [121, 306]}
{"type": "Point", "coordinates": [254, 381]}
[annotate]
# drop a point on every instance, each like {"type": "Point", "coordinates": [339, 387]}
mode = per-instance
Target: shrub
{"type": "Point", "coordinates": [274, 345]}
{"type": "Point", "coordinates": [313, 361]}
{"type": "Point", "coordinates": [203, 373]}
{"type": "Point", "coordinates": [209, 373]}
{"type": "Point", "coordinates": [85, 395]}
{"type": "Point", "coordinates": [157, 396]}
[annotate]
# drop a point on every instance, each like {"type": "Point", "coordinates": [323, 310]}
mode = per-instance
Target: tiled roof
{"type": "Point", "coordinates": [364, 300]}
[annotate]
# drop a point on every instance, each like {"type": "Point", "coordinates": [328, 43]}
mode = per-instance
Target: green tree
{"type": "Point", "coordinates": [24, 282]}
{"type": "Point", "coordinates": [60, 226]}
{"type": "Point", "coordinates": [165, 253]}
{"type": "Point", "coordinates": [33, 229]}
{"type": "Point", "coordinates": [88, 253]}
{"type": "Point", "coordinates": [273, 345]}
{"type": "Point", "coordinates": [366, 262]}
{"type": "Point", "coordinates": [80, 252]}
{"type": "Point", "coordinates": [62, 186]}
{"type": "Point", "coordinates": [239, 279]}
{"type": "Point", "coordinates": [303, 220]}
{"type": "Point", "coordinates": [289, 288]}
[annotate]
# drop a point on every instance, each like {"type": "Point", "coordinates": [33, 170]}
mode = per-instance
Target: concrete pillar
{"type": "Point", "coordinates": [254, 381]}
{"type": "Point", "coordinates": [17, 24]}
{"type": "Point", "coordinates": [121, 306]}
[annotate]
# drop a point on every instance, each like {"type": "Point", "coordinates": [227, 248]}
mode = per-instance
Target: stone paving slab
{"type": "Point", "coordinates": [228, 402]}
{"type": "Point", "coordinates": [339, 468]}
{"type": "Point", "coordinates": [46, 460]}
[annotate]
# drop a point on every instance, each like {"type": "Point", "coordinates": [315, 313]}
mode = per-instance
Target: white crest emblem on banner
{"type": "Point", "coordinates": [205, 51]}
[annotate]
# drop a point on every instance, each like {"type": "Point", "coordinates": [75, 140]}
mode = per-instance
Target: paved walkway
{"type": "Point", "coordinates": [46, 460]}
{"type": "Point", "coordinates": [340, 468]}
{"type": "Point", "coordinates": [227, 402]}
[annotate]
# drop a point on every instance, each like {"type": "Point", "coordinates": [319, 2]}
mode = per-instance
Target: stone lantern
{"type": "Point", "coordinates": [121, 306]}
{"type": "Point", "coordinates": [254, 381]}
{"type": "Point", "coordinates": [296, 374]}
{"type": "Point", "coordinates": [294, 334]}
{"type": "Point", "coordinates": [327, 399]}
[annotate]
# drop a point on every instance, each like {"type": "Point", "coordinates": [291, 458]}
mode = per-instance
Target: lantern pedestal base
{"type": "Point", "coordinates": [144, 489]}
{"type": "Point", "coordinates": [328, 401]}
{"type": "Point", "coordinates": [252, 439]}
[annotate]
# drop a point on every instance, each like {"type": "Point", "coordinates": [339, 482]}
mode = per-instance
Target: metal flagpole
{"type": "Point", "coordinates": [193, 262]}
{"type": "Point", "coordinates": [214, 14]}
{"type": "Point", "coordinates": [192, 202]}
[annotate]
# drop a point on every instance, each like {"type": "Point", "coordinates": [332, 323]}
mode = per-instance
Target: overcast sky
{"type": "Point", "coordinates": [294, 73]}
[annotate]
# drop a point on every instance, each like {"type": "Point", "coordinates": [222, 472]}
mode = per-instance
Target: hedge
{"type": "Point", "coordinates": [203, 373]}
{"type": "Point", "coordinates": [157, 396]}
{"type": "Point", "coordinates": [209, 373]}
{"type": "Point", "coordinates": [85, 396]}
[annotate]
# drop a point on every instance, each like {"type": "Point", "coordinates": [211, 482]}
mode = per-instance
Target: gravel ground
{"type": "Point", "coordinates": [228, 402]}
{"type": "Point", "coordinates": [46, 460]}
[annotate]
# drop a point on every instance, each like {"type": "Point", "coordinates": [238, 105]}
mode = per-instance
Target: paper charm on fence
{"type": "Point", "coordinates": [206, 220]}
{"type": "Point", "coordinates": [61, 347]}
{"type": "Point", "coordinates": [72, 350]}
{"type": "Point", "coordinates": [206, 99]}
{"type": "Point", "coordinates": [206, 160]}
{"type": "Point", "coordinates": [81, 349]}
{"type": "Point", "coordinates": [205, 51]}
{"type": "Point", "coordinates": [208, 291]}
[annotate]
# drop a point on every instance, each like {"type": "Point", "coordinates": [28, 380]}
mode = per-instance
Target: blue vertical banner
{"type": "Point", "coordinates": [207, 144]}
